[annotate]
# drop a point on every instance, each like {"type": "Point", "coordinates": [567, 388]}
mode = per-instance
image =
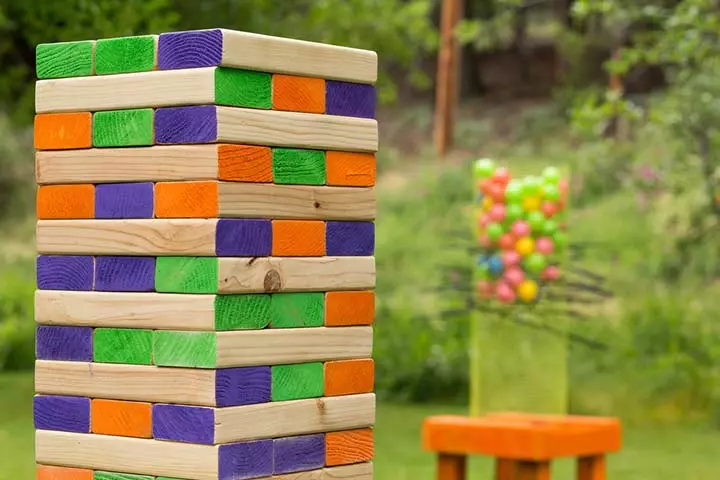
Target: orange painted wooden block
{"type": "Point", "coordinates": [591, 468]}
{"type": "Point", "coordinates": [348, 377]}
{"type": "Point", "coordinates": [451, 467]}
{"type": "Point", "coordinates": [122, 419]}
{"type": "Point", "coordinates": [532, 471]}
{"type": "Point", "coordinates": [186, 199]}
{"type": "Point", "coordinates": [349, 308]}
{"type": "Point", "coordinates": [350, 169]}
{"type": "Point", "coordinates": [245, 163]}
{"type": "Point", "coordinates": [350, 446]}
{"type": "Point", "coordinates": [61, 131]}
{"type": "Point", "coordinates": [46, 472]}
{"type": "Point", "coordinates": [66, 202]}
{"type": "Point", "coordinates": [298, 94]}
{"type": "Point", "coordinates": [298, 238]}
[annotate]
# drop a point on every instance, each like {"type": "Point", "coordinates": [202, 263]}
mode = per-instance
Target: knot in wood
{"type": "Point", "coordinates": [272, 282]}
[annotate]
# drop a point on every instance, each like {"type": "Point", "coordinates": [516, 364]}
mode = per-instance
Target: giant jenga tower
{"type": "Point", "coordinates": [205, 271]}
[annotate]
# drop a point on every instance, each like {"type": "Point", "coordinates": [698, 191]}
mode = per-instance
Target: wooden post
{"type": "Point", "coordinates": [591, 468]}
{"type": "Point", "coordinates": [447, 76]}
{"type": "Point", "coordinates": [451, 467]}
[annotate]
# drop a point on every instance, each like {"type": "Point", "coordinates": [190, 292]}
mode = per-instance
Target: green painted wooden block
{"type": "Point", "coordinates": [292, 310]}
{"type": "Point", "coordinates": [119, 476]}
{"type": "Point", "coordinates": [186, 274]}
{"type": "Point", "coordinates": [243, 88]}
{"type": "Point", "coordinates": [298, 167]}
{"type": "Point", "coordinates": [123, 128]}
{"type": "Point", "coordinates": [122, 345]}
{"type": "Point", "coordinates": [185, 349]}
{"type": "Point", "coordinates": [242, 312]}
{"type": "Point", "coordinates": [302, 380]}
{"type": "Point", "coordinates": [125, 55]}
{"type": "Point", "coordinates": [67, 59]}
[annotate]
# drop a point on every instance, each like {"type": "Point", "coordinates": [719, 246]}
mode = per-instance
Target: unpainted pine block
{"type": "Point", "coordinates": [298, 454]}
{"type": "Point", "coordinates": [186, 275]}
{"type": "Point", "coordinates": [294, 166]}
{"type": "Point", "coordinates": [294, 382]}
{"type": "Point", "coordinates": [120, 476]}
{"type": "Point", "coordinates": [349, 308]}
{"type": "Point", "coordinates": [350, 99]}
{"type": "Point", "coordinates": [123, 345]}
{"type": "Point", "coordinates": [123, 128]}
{"type": "Point", "coordinates": [125, 54]}
{"type": "Point", "coordinates": [124, 274]}
{"type": "Point", "coordinates": [242, 312]}
{"type": "Point", "coordinates": [298, 238]}
{"type": "Point", "coordinates": [121, 418]}
{"type": "Point", "coordinates": [243, 237]}
{"type": "Point", "coordinates": [186, 199]}
{"type": "Point", "coordinates": [294, 310]}
{"type": "Point", "coordinates": [65, 272]}
{"type": "Point", "coordinates": [360, 471]}
{"type": "Point", "coordinates": [64, 343]}
{"type": "Point", "coordinates": [49, 472]}
{"type": "Point", "coordinates": [65, 59]}
{"type": "Point", "coordinates": [298, 94]}
{"type": "Point", "coordinates": [243, 88]}
{"type": "Point", "coordinates": [124, 200]}
{"type": "Point", "coordinates": [183, 423]}
{"type": "Point", "coordinates": [349, 446]}
{"type": "Point", "coordinates": [65, 202]}
{"type": "Point", "coordinates": [63, 131]}
{"type": "Point", "coordinates": [61, 413]}
{"type": "Point", "coordinates": [351, 169]}
{"type": "Point", "coordinates": [244, 163]}
{"type": "Point", "coordinates": [350, 238]}
{"type": "Point", "coordinates": [185, 349]}
{"type": "Point", "coordinates": [348, 377]}
{"type": "Point", "coordinates": [245, 460]}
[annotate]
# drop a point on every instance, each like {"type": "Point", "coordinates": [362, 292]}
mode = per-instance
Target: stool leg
{"type": "Point", "coordinates": [591, 468]}
{"type": "Point", "coordinates": [451, 467]}
{"type": "Point", "coordinates": [532, 471]}
{"type": "Point", "coordinates": [504, 469]}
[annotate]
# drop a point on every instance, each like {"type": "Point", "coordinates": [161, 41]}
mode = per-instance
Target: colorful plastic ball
{"type": "Point", "coordinates": [494, 231]}
{"type": "Point", "coordinates": [495, 266]}
{"type": "Point", "coordinates": [549, 209]}
{"type": "Point", "coordinates": [483, 220]}
{"type": "Point", "coordinates": [514, 276]}
{"type": "Point", "coordinates": [525, 246]}
{"type": "Point", "coordinates": [505, 293]}
{"type": "Point", "coordinates": [483, 168]}
{"type": "Point", "coordinates": [484, 241]}
{"type": "Point", "coordinates": [513, 192]}
{"type": "Point", "coordinates": [551, 175]}
{"type": "Point", "coordinates": [487, 203]}
{"type": "Point", "coordinates": [551, 192]}
{"type": "Point", "coordinates": [497, 212]}
{"type": "Point", "coordinates": [531, 204]}
{"type": "Point", "coordinates": [549, 227]}
{"type": "Point", "coordinates": [531, 186]}
{"type": "Point", "coordinates": [527, 291]}
{"type": "Point", "coordinates": [544, 245]}
{"type": "Point", "coordinates": [560, 239]}
{"type": "Point", "coordinates": [506, 242]}
{"type": "Point", "coordinates": [551, 273]}
{"type": "Point", "coordinates": [536, 220]}
{"type": "Point", "coordinates": [484, 186]}
{"type": "Point", "coordinates": [501, 176]}
{"type": "Point", "coordinates": [485, 289]}
{"type": "Point", "coordinates": [535, 263]}
{"type": "Point", "coordinates": [497, 192]}
{"type": "Point", "coordinates": [511, 258]}
{"type": "Point", "coordinates": [514, 212]}
{"type": "Point", "coordinates": [520, 229]}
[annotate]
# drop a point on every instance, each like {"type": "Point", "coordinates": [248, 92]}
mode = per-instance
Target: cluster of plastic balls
{"type": "Point", "coordinates": [521, 230]}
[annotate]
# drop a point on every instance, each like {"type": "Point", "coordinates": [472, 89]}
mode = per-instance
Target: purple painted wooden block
{"type": "Point", "coordinates": [65, 414]}
{"type": "Point", "coordinates": [239, 461]}
{"type": "Point", "coordinates": [242, 386]}
{"type": "Point", "coordinates": [297, 454]}
{"type": "Point", "coordinates": [124, 200]}
{"type": "Point", "coordinates": [64, 343]}
{"type": "Point", "coordinates": [350, 99]}
{"type": "Point", "coordinates": [198, 48]}
{"type": "Point", "coordinates": [350, 238]}
{"type": "Point", "coordinates": [181, 423]}
{"type": "Point", "coordinates": [125, 274]}
{"type": "Point", "coordinates": [243, 238]}
{"type": "Point", "coordinates": [186, 124]}
{"type": "Point", "coordinates": [57, 272]}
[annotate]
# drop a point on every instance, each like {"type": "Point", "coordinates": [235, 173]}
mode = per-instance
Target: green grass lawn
{"type": "Point", "coordinates": [649, 454]}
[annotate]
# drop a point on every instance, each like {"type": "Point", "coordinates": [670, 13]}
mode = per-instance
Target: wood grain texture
{"type": "Point", "coordinates": [131, 455]}
{"type": "Point", "coordinates": [186, 274]}
{"type": "Point", "coordinates": [62, 131]}
{"type": "Point", "coordinates": [297, 454]}
{"type": "Point", "coordinates": [592, 468]}
{"type": "Point", "coordinates": [348, 377]}
{"type": "Point", "coordinates": [298, 94]}
{"type": "Point", "coordinates": [243, 88]}
{"type": "Point", "coordinates": [244, 163]}
{"type": "Point", "coordinates": [242, 386]}
{"type": "Point", "coordinates": [245, 460]}
{"type": "Point", "coordinates": [186, 199]}
{"type": "Point", "coordinates": [350, 99]}
{"type": "Point", "coordinates": [300, 202]}
{"type": "Point", "coordinates": [349, 308]}
{"type": "Point", "coordinates": [125, 54]}
{"type": "Point", "coordinates": [242, 312]}
{"type": "Point", "coordinates": [156, 311]}
{"type": "Point", "coordinates": [298, 238]}
{"type": "Point", "coordinates": [184, 349]}
{"type": "Point", "coordinates": [124, 274]}
{"type": "Point", "coordinates": [120, 476]}
{"type": "Point", "coordinates": [123, 345]}
{"type": "Point", "coordinates": [194, 124]}
{"type": "Point", "coordinates": [292, 166]}
{"type": "Point", "coordinates": [297, 310]}
{"type": "Point", "coordinates": [65, 59]}
{"type": "Point", "coordinates": [123, 419]}
{"type": "Point", "coordinates": [61, 413]}
{"type": "Point", "coordinates": [48, 472]}
{"type": "Point", "coordinates": [124, 200]}
{"type": "Point", "coordinates": [349, 446]}
{"type": "Point", "coordinates": [295, 274]}
{"type": "Point", "coordinates": [451, 467]}
{"type": "Point", "coordinates": [64, 343]}
{"type": "Point", "coordinates": [243, 238]}
{"type": "Point", "coordinates": [123, 128]}
{"type": "Point", "coordinates": [65, 272]}
{"type": "Point", "coordinates": [350, 238]}
{"type": "Point", "coordinates": [293, 382]}
{"type": "Point", "coordinates": [65, 202]}
{"type": "Point", "coordinates": [350, 169]}
{"type": "Point", "coordinates": [361, 471]}
{"type": "Point", "coordinates": [182, 423]}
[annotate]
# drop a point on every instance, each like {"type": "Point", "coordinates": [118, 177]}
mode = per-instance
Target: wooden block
{"type": "Point", "coordinates": [154, 311]}
{"type": "Point", "coordinates": [243, 238]}
{"type": "Point", "coordinates": [65, 272]}
{"type": "Point", "coordinates": [125, 54]}
{"type": "Point", "coordinates": [186, 275]}
{"type": "Point", "coordinates": [123, 345]}
{"type": "Point", "coordinates": [272, 274]}
{"type": "Point", "coordinates": [124, 200]}
{"type": "Point", "coordinates": [201, 48]}
{"type": "Point", "coordinates": [294, 166]}
{"type": "Point", "coordinates": [350, 238]}
{"type": "Point", "coordinates": [298, 94]}
{"type": "Point", "coordinates": [350, 99]}
{"type": "Point", "coordinates": [183, 423]}
{"type": "Point", "coordinates": [66, 59]}
{"type": "Point", "coordinates": [349, 446]}
{"type": "Point", "coordinates": [123, 128]}
{"type": "Point", "coordinates": [65, 202]}
{"type": "Point", "coordinates": [64, 343]}
{"type": "Point", "coordinates": [532, 470]}
{"type": "Point", "coordinates": [158, 237]}
{"type": "Point", "coordinates": [591, 468]}
{"type": "Point", "coordinates": [183, 125]}
{"type": "Point", "coordinates": [295, 310]}
{"type": "Point", "coordinates": [361, 471]}
{"type": "Point", "coordinates": [245, 460]}
{"type": "Point", "coordinates": [124, 274]}
{"type": "Point", "coordinates": [298, 454]}
{"type": "Point", "coordinates": [124, 419]}
{"type": "Point", "coordinates": [242, 312]}
{"type": "Point", "coordinates": [248, 200]}
{"type": "Point", "coordinates": [185, 349]}
{"type": "Point", "coordinates": [349, 308]}
{"type": "Point", "coordinates": [245, 163]}
{"type": "Point", "coordinates": [62, 131]}
{"type": "Point", "coordinates": [243, 88]}
{"type": "Point", "coordinates": [350, 169]}
{"type": "Point", "coordinates": [120, 476]}
{"type": "Point", "coordinates": [298, 238]}
{"type": "Point", "coordinates": [348, 377]}
{"type": "Point", "coordinates": [61, 413]}
{"type": "Point", "coordinates": [293, 382]}
{"type": "Point", "coordinates": [451, 467]}
{"type": "Point", "coordinates": [47, 472]}
{"type": "Point", "coordinates": [242, 386]}
{"type": "Point", "coordinates": [186, 199]}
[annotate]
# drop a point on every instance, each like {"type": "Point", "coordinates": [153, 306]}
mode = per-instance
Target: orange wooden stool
{"type": "Point", "coordinates": [522, 444]}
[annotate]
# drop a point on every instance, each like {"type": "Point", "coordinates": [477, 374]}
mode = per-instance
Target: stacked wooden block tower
{"type": "Point", "coordinates": [205, 272]}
